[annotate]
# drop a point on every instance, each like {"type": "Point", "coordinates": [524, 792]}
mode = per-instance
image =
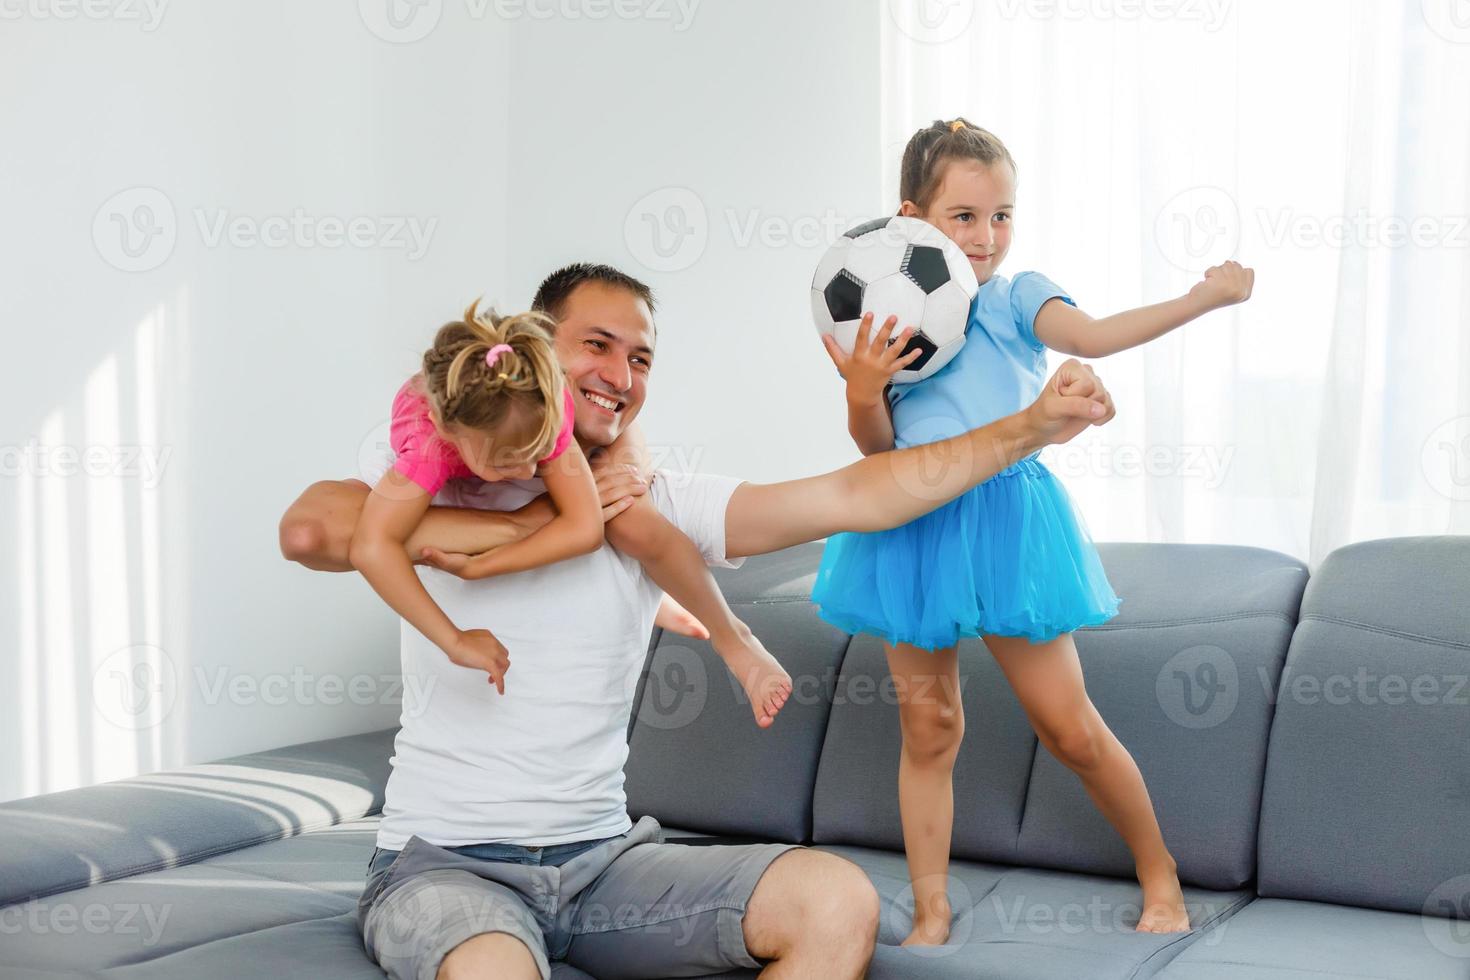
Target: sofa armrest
{"type": "Point", "coordinates": [61, 841]}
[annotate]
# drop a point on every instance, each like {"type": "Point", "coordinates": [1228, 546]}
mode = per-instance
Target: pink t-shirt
{"type": "Point", "coordinates": [431, 462]}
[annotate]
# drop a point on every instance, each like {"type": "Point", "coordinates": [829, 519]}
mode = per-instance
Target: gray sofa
{"type": "Point", "coordinates": [1306, 744]}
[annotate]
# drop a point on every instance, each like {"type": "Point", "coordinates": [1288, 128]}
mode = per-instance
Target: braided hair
{"type": "Point", "coordinates": [517, 394]}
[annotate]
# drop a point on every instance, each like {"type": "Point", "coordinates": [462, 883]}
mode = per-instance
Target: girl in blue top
{"type": "Point", "coordinates": [1010, 561]}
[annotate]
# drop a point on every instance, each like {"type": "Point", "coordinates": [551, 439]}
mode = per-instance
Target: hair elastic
{"type": "Point", "coordinates": [493, 354]}
{"type": "Point", "coordinates": [957, 125]}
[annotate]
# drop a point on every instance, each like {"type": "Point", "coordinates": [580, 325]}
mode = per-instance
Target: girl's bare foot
{"type": "Point", "coordinates": [931, 925]}
{"type": "Point", "coordinates": [1163, 902]}
{"type": "Point", "coordinates": [676, 619]}
{"type": "Point", "coordinates": [765, 681]}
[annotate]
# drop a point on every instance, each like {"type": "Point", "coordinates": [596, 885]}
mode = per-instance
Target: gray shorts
{"type": "Point", "coordinates": [630, 906]}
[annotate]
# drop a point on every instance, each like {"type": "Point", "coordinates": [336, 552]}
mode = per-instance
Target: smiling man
{"type": "Point", "coordinates": [505, 843]}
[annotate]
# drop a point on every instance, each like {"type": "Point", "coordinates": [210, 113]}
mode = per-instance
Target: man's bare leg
{"type": "Point", "coordinates": [316, 529]}
{"type": "Point", "coordinates": [813, 915]}
{"type": "Point", "coordinates": [489, 956]}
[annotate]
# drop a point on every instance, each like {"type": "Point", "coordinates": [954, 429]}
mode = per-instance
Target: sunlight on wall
{"type": "Point", "coordinates": [27, 650]}
{"type": "Point", "coordinates": [109, 586]}
{"type": "Point", "coordinates": [59, 725]}
{"type": "Point", "coordinates": [98, 696]}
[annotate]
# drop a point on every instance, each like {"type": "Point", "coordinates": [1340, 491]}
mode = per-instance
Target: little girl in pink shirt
{"type": "Point", "coordinates": [491, 403]}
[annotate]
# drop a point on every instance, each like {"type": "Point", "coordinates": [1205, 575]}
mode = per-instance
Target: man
{"type": "Point", "coordinates": [505, 843]}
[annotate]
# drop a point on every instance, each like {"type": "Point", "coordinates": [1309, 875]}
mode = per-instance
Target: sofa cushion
{"type": "Point", "coordinates": [696, 758]}
{"type": "Point", "coordinates": [1020, 923]}
{"type": "Point", "coordinates": [284, 908]}
{"type": "Point", "coordinates": [62, 841]}
{"type": "Point", "coordinates": [1193, 616]}
{"type": "Point", "coordinates": [1282, 939]}
{"type": "Point", "coordinates": [1368, 776]}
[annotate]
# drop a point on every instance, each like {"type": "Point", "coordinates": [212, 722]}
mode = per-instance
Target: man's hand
{"type": "Point", "coordinates": [1072, 400]}
{"type": "Point", "coordinates": [617, 486]}
{"type": "Point", "coordinates": [480, 650]}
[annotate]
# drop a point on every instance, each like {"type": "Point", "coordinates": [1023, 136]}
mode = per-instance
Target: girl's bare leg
{"type": "Point", "coordinates": [1047, 679]}
{"type": "Point", "coordinates": [676, 619]}
{"type": "Point", "coordinates": [675, 564]}
{"type": "Point", "coordinates": [932, 718]}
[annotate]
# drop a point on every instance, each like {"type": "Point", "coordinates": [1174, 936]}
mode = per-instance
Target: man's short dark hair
{"type": "Point", "coordinates": [555, 289]}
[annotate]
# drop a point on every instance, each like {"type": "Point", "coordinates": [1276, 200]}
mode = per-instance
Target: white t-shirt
{"type": "Point", "coordinates": [542, 764]}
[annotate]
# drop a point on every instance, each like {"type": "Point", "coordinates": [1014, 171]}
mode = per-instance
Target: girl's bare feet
{"type": "Point", "coordinates": [676, 619]}
{"type": "Point", "coordinates": [1163, 902]}
{"type": "Point", "coordinates": [931, 924]}
{"type": "Point", "coordinates": [765, 681]}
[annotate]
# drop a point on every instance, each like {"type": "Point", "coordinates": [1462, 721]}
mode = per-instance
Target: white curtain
{"type": "Point", "coordinates": [1326, 143]}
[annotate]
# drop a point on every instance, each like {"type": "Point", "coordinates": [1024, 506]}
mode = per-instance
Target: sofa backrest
{"type": "Point", "coordinates": [1368, 776]}
{"type": "Point", "coordinates": [1184, 675]}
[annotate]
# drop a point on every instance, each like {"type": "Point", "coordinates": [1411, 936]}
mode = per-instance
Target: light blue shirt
{"type": "Point", "coordinates": [1000, 370]}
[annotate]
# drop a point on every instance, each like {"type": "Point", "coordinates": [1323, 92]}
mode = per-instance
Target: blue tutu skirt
{"type": "Point", "coordinates": [1011, 557]}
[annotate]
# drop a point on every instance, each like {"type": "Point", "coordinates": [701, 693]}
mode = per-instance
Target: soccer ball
{"type": "Point", "coordinates": [899, 267]}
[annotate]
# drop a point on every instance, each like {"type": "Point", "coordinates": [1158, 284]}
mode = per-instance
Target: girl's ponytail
{"type": "Point", "coordinates": [486, 372]}
{"type": "Point", "coordinates": [935, 145]}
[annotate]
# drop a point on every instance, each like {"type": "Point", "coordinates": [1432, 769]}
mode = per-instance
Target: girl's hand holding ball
{"type": "Point", "coordinates": [870, 366]}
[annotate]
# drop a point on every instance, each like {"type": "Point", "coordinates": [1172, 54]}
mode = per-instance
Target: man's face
{"type": "Point", "coordinates": [604, 340]}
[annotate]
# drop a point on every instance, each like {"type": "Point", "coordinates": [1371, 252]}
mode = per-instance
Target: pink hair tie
{"type": "Point", "coordinates": [493, 354]}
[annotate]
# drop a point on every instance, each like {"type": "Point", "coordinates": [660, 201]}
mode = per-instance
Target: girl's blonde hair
{"type": "Point", "coordinates": [935, 145]}
{"type": "Point", "coordinates": [517, 394]}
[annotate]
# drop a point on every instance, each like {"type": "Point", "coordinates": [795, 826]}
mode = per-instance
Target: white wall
{"type": "Point", "coordinates": [153, 622]}
{"type": "Point", "coordinates": [764, 112]}
{"type": "Point", "coordinates": [255, 369]}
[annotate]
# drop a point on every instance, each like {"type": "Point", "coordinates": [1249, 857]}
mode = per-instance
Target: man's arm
{"type": "Point", "coordinates": [888, 489]}
{"type": "Point", "coordinates": [317, 528]}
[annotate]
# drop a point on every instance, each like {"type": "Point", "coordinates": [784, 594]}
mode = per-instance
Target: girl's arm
{"type": "Point", "coordinates": [1066, 329]}
{"type": "Point", "coordinates": [575, 530]}
{"type": "Point", "coordinates": [867, 370]}
{"type": "Point", "coordinates": [389, 516]}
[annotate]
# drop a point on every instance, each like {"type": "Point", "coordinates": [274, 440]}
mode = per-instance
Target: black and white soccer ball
{"type": "Point", "coordinates": [899, 267]}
